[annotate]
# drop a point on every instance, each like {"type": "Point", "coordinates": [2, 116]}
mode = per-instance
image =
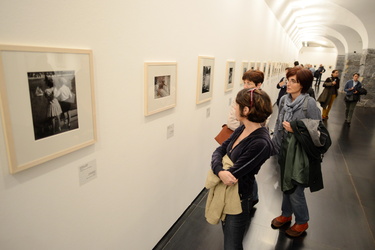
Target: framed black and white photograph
{"type": "Point", "coordinates": [252, 65]}
{"type": "Point", "coordinates": [245, 67]}
{"type": "Point", "coordinates": [257, 66]}
{"type": "Point", "coordinates": [229, 76]}
{"type": "Point", "coordinates": [264, 69]}
{"type": "Point", "coordinates": [47, 101]}
{"type": "Point", "coordinates": [269, 69]}
{"type": "Point", "coordinates": [53, 102]}
{"type": "Point", "coordinates": [205, 78]}
{"type": "Point", "coordinates": [160, 80]}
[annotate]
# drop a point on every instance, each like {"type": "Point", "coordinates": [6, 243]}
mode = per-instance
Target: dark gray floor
{"type": "Point", "coordinates": [342, 215]}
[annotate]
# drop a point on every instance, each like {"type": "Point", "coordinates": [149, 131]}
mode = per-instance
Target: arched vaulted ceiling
{"type": "Point", "coordinates": [346, 25]}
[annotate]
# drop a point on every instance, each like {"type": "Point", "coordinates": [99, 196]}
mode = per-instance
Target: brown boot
{"type": "Point", "coordinates": [280, 221]}
{"type": "Point", "coordinates": [297, 229]}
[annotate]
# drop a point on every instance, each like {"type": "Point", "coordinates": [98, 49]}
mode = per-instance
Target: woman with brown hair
{"type": "Point", "coordinates": [295, 105]}
{"type": "Point", "coordinates": [248, 148]}
{"type": "Point", "coordinates": [329, 94]}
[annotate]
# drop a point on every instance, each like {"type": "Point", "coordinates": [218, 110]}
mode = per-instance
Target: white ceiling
{"type": "Point", "coordinates": [347, 25]}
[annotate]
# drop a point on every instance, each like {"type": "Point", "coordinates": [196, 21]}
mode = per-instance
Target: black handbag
{"type": "Point", "coordinates": [349, 98]}
{"type": "Point", "coordinates": [362, 91]}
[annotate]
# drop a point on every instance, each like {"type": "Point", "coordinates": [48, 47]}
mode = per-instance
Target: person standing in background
{"type": "Point", "coordinates": [329, 94]}
{"type": "Point", "coordinates": [318, 74]}
{"type": "Point", "coordinates": [282, 86]}
{"type": "Point", "coordinates": [312, 69]}
{"type": "Point", "coordinates": [351, 88]}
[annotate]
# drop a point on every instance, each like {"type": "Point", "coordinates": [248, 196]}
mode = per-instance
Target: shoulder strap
{"type": "Point", "coordinates": [305, 105]}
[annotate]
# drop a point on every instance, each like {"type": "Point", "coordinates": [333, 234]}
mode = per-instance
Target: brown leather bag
{"type": "Point", "coordinates": [224, 134]}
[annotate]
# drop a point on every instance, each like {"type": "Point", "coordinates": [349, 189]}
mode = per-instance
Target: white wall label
{"type": "Point", "coordinates": [208, 112]}
{"type": "Point", "coordinates": [87, 172]}
{"type": "Point", "coordinates": [170, 131]}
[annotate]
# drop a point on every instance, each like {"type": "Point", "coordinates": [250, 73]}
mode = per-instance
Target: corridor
{"type": "Point", "coordinates": [342, 215]}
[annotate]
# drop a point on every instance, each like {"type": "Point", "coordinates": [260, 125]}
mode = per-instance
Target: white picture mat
{"type": "Point", "coordinates": [205, 61]}
{"type": "Point", "coordinates": [245, 67]}
{"type": "Point", "coordinates": [230, 65]}
{"type": "Point", "coordinates": [27, 151]}
{"type": "Point", "coordinates": [152, 69]}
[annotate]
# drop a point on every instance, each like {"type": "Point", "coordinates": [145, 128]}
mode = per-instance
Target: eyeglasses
{"type": "Point", "coordinates": [293, 81]}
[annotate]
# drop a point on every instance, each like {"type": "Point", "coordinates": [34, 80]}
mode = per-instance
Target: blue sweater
{"type": "Point", "coordinates": [248, 156]}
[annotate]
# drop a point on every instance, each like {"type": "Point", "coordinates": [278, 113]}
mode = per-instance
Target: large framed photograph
{"type": "Point", "coordinates": [47, 103]}
{"type": "Point", "coordinates": [160, 86]}
{"type": "Point", "coordinates": [205, 78]}
{"type": "Point", "coordinates": [229, 76]}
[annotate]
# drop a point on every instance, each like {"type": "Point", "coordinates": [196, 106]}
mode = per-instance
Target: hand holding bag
{"type": "Point", "coordinates": [349, 98]}
{"type": "Point", "coordinates": [224, 134]}
{"type": "Point", "coordinates": [362, 91]}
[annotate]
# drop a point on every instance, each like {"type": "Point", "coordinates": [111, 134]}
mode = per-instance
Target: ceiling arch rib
{"type": "Point", "coordinates": [336, 38]}
{"type": "Point", "coordinates": [298, 16]}
{"type": "Point", "coordinates": [338, 44]}
{"type": "Point", "coordinates": [355, 43]}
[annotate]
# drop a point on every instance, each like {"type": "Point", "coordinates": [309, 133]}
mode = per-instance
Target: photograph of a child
{"type": "Point", "coordinates": [53, 102]}
{"type": "Point", "coordinates": [206, 76]}
{"type": "Point", "coordinates": [162, 86]}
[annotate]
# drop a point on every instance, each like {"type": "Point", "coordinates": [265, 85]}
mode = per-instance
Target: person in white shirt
{"type": "Point", "coordinates": [64, 95]}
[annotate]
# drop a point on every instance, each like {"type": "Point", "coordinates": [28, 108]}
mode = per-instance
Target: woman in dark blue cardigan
{"type": "Point", "coordinates": [248, 148]}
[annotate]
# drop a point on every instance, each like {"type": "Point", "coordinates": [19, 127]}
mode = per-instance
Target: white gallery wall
{"type": "Point", "coordinates": [319, 55]}
{"type": "Point", "coordinates": [144, 180]}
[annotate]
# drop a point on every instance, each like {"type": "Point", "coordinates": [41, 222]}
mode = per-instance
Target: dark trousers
{"type": "Point", "coordinates": [235, 226]}
{"type": "Point", "coordinates": [350, 106]}
{"type": "Point", "coordinates": [317, 83]}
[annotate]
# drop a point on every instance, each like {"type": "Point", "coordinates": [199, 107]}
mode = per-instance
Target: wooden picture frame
{"type": "Point", "coordinates": [160, 86]}
{"type": "Point", "coordinates": [229, 75]}
{"type": "Point", "coordinates": [206, 70]}
{"type": "Point", "coordinates": [47, 103]}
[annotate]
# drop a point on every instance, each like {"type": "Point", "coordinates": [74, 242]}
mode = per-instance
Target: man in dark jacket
{"type": "Point", "coordinates": [318, 74]}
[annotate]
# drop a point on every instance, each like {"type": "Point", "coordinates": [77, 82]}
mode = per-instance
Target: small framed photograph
{"type": "Point", "coordinates": [205, 78]}
{"type": "Point", "coordinates": [245, 67]}
{"type": "Point", "coordinates": [270, 69]}
{"type": "Point", "coordinates": [258, 66]}
{"type": "Point", "coordinates": [263, 68]}
{"type": "Point", "coordinates": [229, 76]}
{"type": "Point", "coordinates": [160, 88]}
{"type": "Point", "coordinates": [252, 65]}
{"type": "Point", "coordinates": [47, 102]}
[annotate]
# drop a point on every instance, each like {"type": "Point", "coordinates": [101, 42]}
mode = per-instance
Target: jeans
{"type": "Point", "coordinates": [255, 190]}
{"type": "Point", "coordinates": [235, 226]}
{"type": "Point", "coordinates": [295, 203]}
{"type": "Point", "coordinates": [317, 83]}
